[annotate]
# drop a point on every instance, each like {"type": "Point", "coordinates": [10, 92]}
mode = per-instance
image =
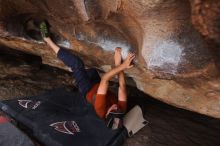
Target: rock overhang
{"type": "Point", "coordinates": [173, 62]}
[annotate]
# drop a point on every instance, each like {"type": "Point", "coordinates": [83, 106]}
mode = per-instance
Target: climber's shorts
{"type": "Point", "coordinates": [85, 78]}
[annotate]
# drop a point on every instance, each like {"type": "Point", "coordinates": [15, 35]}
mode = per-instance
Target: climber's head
{"type": "Point", "coordinates": [114, 117]}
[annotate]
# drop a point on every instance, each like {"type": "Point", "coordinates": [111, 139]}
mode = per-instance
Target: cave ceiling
{"type": "Point", "coordinates": [176, 42]}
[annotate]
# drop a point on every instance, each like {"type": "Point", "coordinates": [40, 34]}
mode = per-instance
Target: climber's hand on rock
{"type": "Point", "coordinates": [127, 63]}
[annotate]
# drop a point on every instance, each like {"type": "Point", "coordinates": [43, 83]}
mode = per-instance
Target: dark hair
{"type": "Point", "coordinates": [114, 119]}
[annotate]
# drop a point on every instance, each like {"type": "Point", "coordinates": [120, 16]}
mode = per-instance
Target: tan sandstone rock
{"type": "Point", "coordinates": [174, 62]}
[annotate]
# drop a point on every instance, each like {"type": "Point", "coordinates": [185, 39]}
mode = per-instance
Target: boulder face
{"type": "Point", "coordinates": [177, 61]}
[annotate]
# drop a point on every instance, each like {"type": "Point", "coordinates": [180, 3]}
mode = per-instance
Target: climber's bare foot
{"type": "Point", "coordinates": [117, 56]}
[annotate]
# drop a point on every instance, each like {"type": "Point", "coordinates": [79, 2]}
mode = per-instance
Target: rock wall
{"type": "Point", "coordinates": [174, 63]}
{"type": "Point", "coordinates": [25, 76]}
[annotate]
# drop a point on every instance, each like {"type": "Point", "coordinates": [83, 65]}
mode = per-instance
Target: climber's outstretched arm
{"type": "Point", "coordinates": [103, 86]}
{"type": "Point", "coordinates": [122, 93]}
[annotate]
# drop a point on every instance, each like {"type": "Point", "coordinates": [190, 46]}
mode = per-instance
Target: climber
{"type": "Point", "coordinates": [90, 85]}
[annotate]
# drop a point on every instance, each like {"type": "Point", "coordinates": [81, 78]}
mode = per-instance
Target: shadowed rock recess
{"type": "Point", "coordinates": [176, 42]}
